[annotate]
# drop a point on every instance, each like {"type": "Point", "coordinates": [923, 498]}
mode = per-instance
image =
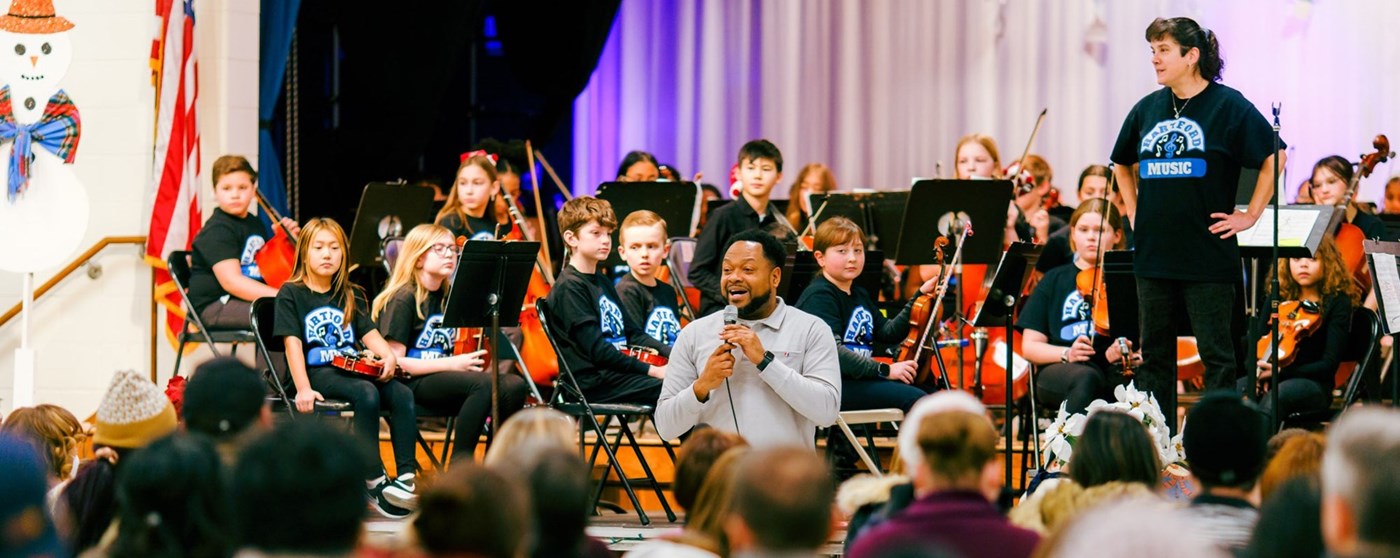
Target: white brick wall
{"type": "Point", "coordinates": [86, 328]}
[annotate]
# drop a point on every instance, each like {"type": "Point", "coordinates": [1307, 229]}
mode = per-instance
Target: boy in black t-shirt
{"type": "Point", "coordinates": [1179, 157]}
{"type": "Point", "coordinates": [588, 318]}
{"type": "Point", "coordinates": [760, 167]}
{"type": "Point", "coordinates": [647, 300]}
{"type": "Point", "coordinates": [224, 276]}
{"type": "Point", "coordinates": [856, 322]}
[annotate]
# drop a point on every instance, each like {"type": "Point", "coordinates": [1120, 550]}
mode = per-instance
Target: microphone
{"type": "Point", "coordinates": [731, 317]}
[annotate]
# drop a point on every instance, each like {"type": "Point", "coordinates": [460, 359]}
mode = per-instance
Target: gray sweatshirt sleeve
{"type": "Point", "coordinates": [815, 392]}
{"type": "Point", "coordinates": [678, 409]}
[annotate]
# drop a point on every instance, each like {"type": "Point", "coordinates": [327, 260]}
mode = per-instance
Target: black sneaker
{"type": "Point", "coordinates": [382, 506]}
{"type": "Point", "coordinates": [401, 492]}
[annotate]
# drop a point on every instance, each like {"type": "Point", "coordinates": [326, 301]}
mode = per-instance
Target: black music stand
{"type": "Point", "coordinates": [879, 214]}
{"type": "Point", "coordinates": [1384, 261]}
{"type": "Point", "coordinates": [676, 202]}
{"type": "Point", "coordinates": [999, 310]}
{"type": "Point", "coordinates": [386, 210]}
{"type": "Point", "coordinates": [491, 275]}
{"type": "Point", "coordinates": [1121, 284]}
{"type": "Point", "coordinates": [940, 203]}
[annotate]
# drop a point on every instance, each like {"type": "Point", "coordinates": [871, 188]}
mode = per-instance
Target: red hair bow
{"type": "Point", "coordinates": [481, 152]}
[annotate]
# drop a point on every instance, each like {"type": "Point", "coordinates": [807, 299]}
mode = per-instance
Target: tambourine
{"type": "Point", "coordinates": [645, 354]}
{"type": "Point", "coordinates": [364, 365]}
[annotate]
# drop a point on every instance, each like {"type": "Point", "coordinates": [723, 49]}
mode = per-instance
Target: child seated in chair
{"type": "Point", "coordinates": [587, 315]}
{"type": "Point", "coordinates": [646, 299]}
{"type": "Point", "coordinates": [224, 274]}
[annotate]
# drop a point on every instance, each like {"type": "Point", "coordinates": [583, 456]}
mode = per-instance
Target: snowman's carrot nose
{"type": "Point", "coordinates": [33, 60]}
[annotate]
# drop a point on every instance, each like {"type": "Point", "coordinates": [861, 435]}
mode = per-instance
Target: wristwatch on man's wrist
{"type": "Point", "coordinates": [1064, 356]}
{"type": "Point", "coordinates": [884, 370]}
{"type": "Point", "coordinates": [767, 358]}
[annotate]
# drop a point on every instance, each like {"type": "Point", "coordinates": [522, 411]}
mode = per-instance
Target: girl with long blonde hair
{"type": "Point", "coordinates": [321, 314]}
{"type": "Point", "coordinates": [409, 313]}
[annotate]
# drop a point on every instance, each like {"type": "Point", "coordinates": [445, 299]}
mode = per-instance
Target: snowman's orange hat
{"type": "Point", "coordinates": [33, 17]}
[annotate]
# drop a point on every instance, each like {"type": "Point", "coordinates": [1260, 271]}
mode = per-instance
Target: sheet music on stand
{"type": "Point", "coordinates": [1385, 274]}
{"type": "Point", "coordinates": [1300, 229]}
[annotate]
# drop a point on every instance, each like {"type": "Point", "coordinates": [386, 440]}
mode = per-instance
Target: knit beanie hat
{"type": "Point", "coordinates": [223, 397]}
{"type": "Point", "coordinates": [1224, 439]}
{"type": "Point", "coordinates": [133, 413]}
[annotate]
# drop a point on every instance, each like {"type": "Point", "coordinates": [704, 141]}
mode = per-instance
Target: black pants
{"type": "Point", "coordinates": [877, 393]}
{"type": "Point", "coordinates": [366, 398]}
{"type": "Point", "coordinates": [467, 395]}
{"type": "Point", "coordinates": [1074, 384]}
{"type": "Point", "coordinates": [1210, 307]}
{"type": "Point", "coordinates": [1295, 395]}
{"type": "Point", "coordinates": [617, 387]}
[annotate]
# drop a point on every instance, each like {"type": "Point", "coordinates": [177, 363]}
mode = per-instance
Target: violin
{"type": "Point", "coordinates": [1090, 284]}
{"type": "Point", "coordinates": [278, 256]}
{"type": "Point", "coordinates": [1349, 236]}
{"type": "Point", "coordinates": [924, 315]}
{"type": "Point", "coordinates": [647, 355]}
{"type": "Point", "coordinates": [365, 364]}
{"type": "Point", "coordinates": [1299, 319]}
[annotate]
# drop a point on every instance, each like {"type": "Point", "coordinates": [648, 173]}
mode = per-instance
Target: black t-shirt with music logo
{"type": "Point", "coordinates": [224, 237]}
{"type": "Point", "coordinates": [1189, 154]}
{"type": "Point", "coordinates": [423, 337]}
{"type": "Point", "coordinates": [317, 319]}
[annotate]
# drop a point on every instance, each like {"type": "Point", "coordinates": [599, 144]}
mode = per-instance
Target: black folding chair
{"type": "Point", "coordinates": [1361, 349]}
{"type": "Point", "coordinates": [569, 399]}
{"type": "Point", "coordinates": [264, 314]}
{"type": "Point", "coordinates": [194, 330]}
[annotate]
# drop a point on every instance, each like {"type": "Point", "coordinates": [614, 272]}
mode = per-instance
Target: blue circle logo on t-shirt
{"type": "Point", "coordinates": [860, 331]}
{"type": "Point", "coordinates": [1162, 150]}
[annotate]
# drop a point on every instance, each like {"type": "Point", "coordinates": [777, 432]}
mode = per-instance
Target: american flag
{"type": "Point", "coordinates": [175, 214]}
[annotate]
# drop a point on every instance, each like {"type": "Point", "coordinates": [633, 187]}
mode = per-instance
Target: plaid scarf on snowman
{"type": "Point", "coordinates": [57, 131]}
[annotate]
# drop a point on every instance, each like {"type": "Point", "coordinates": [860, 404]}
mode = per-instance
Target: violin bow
{"type": "Point", "coordinates": [1021, 163]}
{"type": "Point", "coordinates": [539, 212]}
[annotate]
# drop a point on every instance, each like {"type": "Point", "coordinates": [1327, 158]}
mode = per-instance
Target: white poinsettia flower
{"type": "Point", "coordinates": [1075, 425]}
{"type": "Point", "coordinates": [1095, 405]}
{"type": "Point", "coordinates": [1062, 448]}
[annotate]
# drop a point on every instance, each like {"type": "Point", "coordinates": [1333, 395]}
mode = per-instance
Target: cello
{"type": "Point", "coordinates": [278, 256]}
{"type": "Point", "coordinates": [1349, 236]}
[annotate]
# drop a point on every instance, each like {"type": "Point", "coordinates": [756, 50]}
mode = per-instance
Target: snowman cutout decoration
{"type": "Point", "coordinates": [43, 208]}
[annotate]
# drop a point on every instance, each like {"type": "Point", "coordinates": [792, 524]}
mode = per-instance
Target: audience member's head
{"type": "Point", "coordinates": [1290, 521]}
{"type": "Point", "coordinates": [133, 413]}
{"type": "Point", "coordinates": [958, 451]}
{"type": "Point", "coordinates": [1300, 456]}
{"type": "Point", "coordinates": [1360, 490]}
{"type": "Point", "coordinates": [171, 501]}
{"type": "Point", "coordinates": [1277, 441]}
{"type": "Point", "coordinates": [1137, 527]}
{"type": "Point", "coordinates": [300, 489]}
{"type": "Point", "coordinates": [533, 426]}
{"type": "Point", "coordinates": [224, 399]}
{"type": "Point", "coordinates": [25, 529]}
{"type": "Point", "coordinates": [909, 451]}
{"type": "Point", "coordinates": [472, 511]}
{"type": "Point", "coordinates": [557, 490]}
{"type": "Point", "coordinates": [694, 459]}
{"type": "Point", "coordinates": [1224, 439]}
{"type": "Point", "coordinates": [1114, 447]}
{"type": "Point", "coordinates": [705, 520]}
{"type": "Point", "coordinates": [54, 432]}
{"type": "Point", "coordinates": [782, 502]}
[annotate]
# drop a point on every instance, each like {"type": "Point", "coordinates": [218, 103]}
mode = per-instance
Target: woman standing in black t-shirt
{"type": "Point", "coordinates": [1056, 325]}
{"type": "Point", "coordinates": [1179, 156]}
{"type": "Point", "coordinates": [409, 313]}
{"type": "Point", "coordinates": [1306, 384]}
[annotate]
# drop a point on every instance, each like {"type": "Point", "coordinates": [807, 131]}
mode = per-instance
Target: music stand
{"type": "Point", "coordinates": [386, 210]}
{"type": "Point", "coordinates": [939, 202]}
{"type": "Point", "coordinates": [1121, 284]}
{"type": "Point", "coordinates": [1301, 228]}
{"type": "Point", "coordinates": [999, 310]}
{"type": "Point", "coordinates": [1384, 260]}
{"type": "Point", "coordinates": [879, 214]}
{"type": "Point", "coordinates": [491, 275]}
{"type": "Point", "coordinates": [676, 202]}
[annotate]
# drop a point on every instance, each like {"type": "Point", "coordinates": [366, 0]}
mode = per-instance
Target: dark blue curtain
{"type": "Point", "coordinates": [279, 21]}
